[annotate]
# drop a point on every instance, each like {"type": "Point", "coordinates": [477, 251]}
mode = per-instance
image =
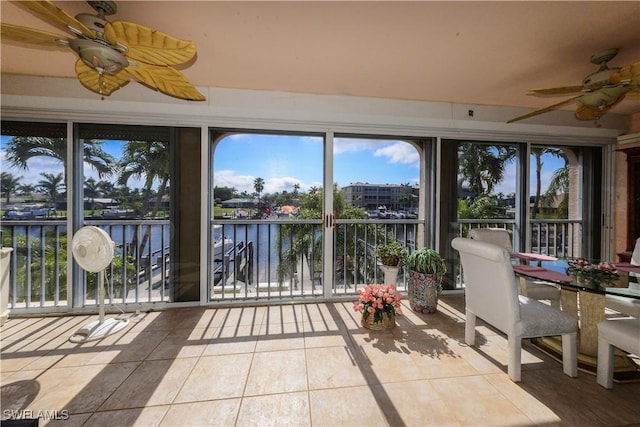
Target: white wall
{"type": "Point", "coordinates": [58, 99]}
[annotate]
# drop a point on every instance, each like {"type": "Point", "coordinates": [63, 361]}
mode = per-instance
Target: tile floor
{"type": "Point", "coordinates": [294, 364]}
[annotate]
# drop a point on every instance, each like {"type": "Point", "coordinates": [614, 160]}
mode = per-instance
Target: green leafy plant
{"type": "Point", "coordinates": [392, 254]}
{"type": "Point", "coordinates": [427, 261]}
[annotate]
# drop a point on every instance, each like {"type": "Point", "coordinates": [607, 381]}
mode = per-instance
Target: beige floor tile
{"type": "Point", "coordinates": [270, 366]}
{"type": "Point", "coordinates": [350, 406]}
{"type": "Point", "coordinates": [176, 345]}
{"type": "Point", "coordinates": [135, 345]}
{"type": "Point", "coordinates": [413, 403]}
{"type": "Point", "coordinates": [154, 382]}
{"type": "Point", "coordinates": [287, 313]}
{"type": "Point", "coordinates": [526, 402]}
{"type": "Point", "coordinates": [277, 372]}
{"type": "Point", "coordinates": [79, 390]}
{"type": "Point", "coordinates": [464, 388]}
{"type": "Point", "coordinates": [329, 367]}
{"type": "Point", "coordinates": [216, 377]}
{"type": "Point", "coordinates": [331, 338]}
{"type": "Point", "coordinates": [325, 314]}
{"type": "Point", "coordinates": [74, 420]}
{"type": "Point", "coordinates": [142, 417]}
{"type": "Point", "coordinates": [286, 409]}
{"type": "Point", "coordinates": [232, 341]}
{"type": "Point", "coordinates": [239, 316]}
{"type": "Point", "coordinates": [208, 413]}
{"type": "Point", "coordinates": [382, 362]}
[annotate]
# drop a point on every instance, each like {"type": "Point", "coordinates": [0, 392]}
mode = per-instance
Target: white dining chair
{"type": "Point", "coordinates": [624, 305]}
{"type": "Point", "coordinates": [621, 333]}
{"type": "Point", "coordinates": [533, 289]}
{"type": "Point", "coordinates": [491, 293]}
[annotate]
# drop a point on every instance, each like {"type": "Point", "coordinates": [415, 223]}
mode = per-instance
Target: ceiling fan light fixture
{"type": "Point", "coordinates": [101, 58]}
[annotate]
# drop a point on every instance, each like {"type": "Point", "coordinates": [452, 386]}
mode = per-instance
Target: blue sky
{"type": "Point", "coordinates": [283, 161]}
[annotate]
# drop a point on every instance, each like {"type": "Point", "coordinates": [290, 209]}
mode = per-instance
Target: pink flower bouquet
{"type": "Point", "coordinates": [376, 300]}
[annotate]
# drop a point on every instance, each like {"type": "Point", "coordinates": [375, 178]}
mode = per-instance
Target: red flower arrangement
{"type": "Point", "coordinates": [601, 273]}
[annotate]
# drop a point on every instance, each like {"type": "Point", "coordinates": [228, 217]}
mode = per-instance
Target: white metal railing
{"type": "Point", "coordinates": [264, 259]}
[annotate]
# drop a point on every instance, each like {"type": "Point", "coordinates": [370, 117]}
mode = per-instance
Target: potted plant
{"type": "Point", "coordinates": [379, 305]}
{"type": "Point", "coordinates": [392, 256]}
{"type": "Point", "coordinates": [426, 272]}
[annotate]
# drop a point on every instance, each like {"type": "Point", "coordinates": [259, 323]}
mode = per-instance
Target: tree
{"type": "Point", "coordinates": [9, 184]}
{"type": "Point", "coordinates": [26, 190]}
{"type": "Point", "coordinates": [21, 149]}
{"type": "Point", "coordinates": [223, 193]}
{"type": "Point", "coordinates": [559, 185]}
{"type": "Point", "coordinates": [258, 185]}
{"type": "Point", "coordinates": [91, 189]}
{"type": "Point", "coordinates": [538, 152]}
{"type": "Point", "coordinates": [149, 160]}
{"type": "Point", "coordinates": [482, 166]}
{"type": "Point", "coordinates": [51, 185]}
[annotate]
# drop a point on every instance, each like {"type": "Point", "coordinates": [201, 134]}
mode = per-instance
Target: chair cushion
{"type": "Point", "coordinates": [623, 333]}
{"type": "Point", "coordinates": [624, 305]}
{"type": "Point", "coordinates": [539, 320]}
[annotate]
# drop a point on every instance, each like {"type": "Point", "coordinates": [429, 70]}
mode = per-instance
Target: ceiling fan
{"type": "Point", "coordinates": [598, 92]}
{"type": "Point", "coordinates": [111, 53]}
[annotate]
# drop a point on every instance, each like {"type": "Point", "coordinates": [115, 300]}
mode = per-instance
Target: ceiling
{"type": "Point", "coordinates": [487, 53]}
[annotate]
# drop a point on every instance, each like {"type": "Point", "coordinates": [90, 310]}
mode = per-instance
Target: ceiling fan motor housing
{"type": "Point", "coordinates": [102, 58]}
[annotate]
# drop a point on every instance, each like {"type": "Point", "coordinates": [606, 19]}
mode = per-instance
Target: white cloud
{"type": "Point", "coordinates": [228, 178]}
{"type": "Point", "coordinates": [399, 152]}
{"type": "Point", "coordinates": [35, 167]}
{"type": "Point", "coordinates": [346, 145]}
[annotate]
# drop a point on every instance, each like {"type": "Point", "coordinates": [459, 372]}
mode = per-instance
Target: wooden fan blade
{"type": "Point", "coordinates": [545, 109]}
{"type": "Point", "coordinates": [49, 12]}
{"type": "Point", "coordinates": [31, 36]}
{"type": "Point", "coordinates": [103, 84]}
{"type": "Point", "coordinates": [150, 46]}
{"type": "Point", "coordinates": [584, 112]}
{"type": "Point", "coordinates": [562, 90]}
{"type": "Point", "coordinates": [634, 93]}
{"type": "Point", "coordinates": [628, 75]}
{"type": "Point", "coordinates": [164, 79]}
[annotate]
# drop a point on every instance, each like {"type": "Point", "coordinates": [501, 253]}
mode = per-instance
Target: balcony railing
{"type": "Point", "coordinates": [561, 237]}
{"type": "Point", "coordinates": [282, 259]}
{"type": "Point", "coordinates": [270, 259]}
{"type": "Point", "coordinates": [38, 263]}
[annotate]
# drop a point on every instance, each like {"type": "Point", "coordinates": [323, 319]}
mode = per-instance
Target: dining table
{"type": "Point", "coordinates": [583, 296]}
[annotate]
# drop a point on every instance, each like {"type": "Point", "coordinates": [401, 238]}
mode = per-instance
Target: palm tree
{"type": "Point", "coordinates": [149, 160]}
{"type": "Point", "coordinates": [9, 184]}
{"type": "Point", "coordinates": [482, 166]}
{"type": "Point", "coordinates": [26, 190]}
{"type": "Point", "coordinates": [538, 152]}
{"type": "Point", "coordinates": [258, 185]}
{"type": "Point", "coordinates": [91, 190]}
{"type": "Point", "coordinates": [51, 184]}
{"type": "Point", "coordinates": [20, 149]}
{"type": "Point", "coordinates": [559, 184]}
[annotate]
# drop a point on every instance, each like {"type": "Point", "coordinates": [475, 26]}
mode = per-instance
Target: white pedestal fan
{"type": "Point", "coordinates": [93, 250]}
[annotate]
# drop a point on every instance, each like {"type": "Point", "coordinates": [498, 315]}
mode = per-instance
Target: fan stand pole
{"type": "Point", "coordinates": [100, 328]}
{"type": "Point", "coordinates": [101, 296]}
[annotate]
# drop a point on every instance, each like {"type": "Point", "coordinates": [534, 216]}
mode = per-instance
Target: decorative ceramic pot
{"type": "Point", "coordinates": [423, 292]}
{"type": "Point", "coordinates": [386, 323]}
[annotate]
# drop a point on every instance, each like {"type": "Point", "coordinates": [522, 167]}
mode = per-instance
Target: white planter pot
{"type": "Point", "coordinates": [390, 274]}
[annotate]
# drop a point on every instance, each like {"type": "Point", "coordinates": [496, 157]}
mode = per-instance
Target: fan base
{"type": "Point", "coordinates": [98, 330]}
